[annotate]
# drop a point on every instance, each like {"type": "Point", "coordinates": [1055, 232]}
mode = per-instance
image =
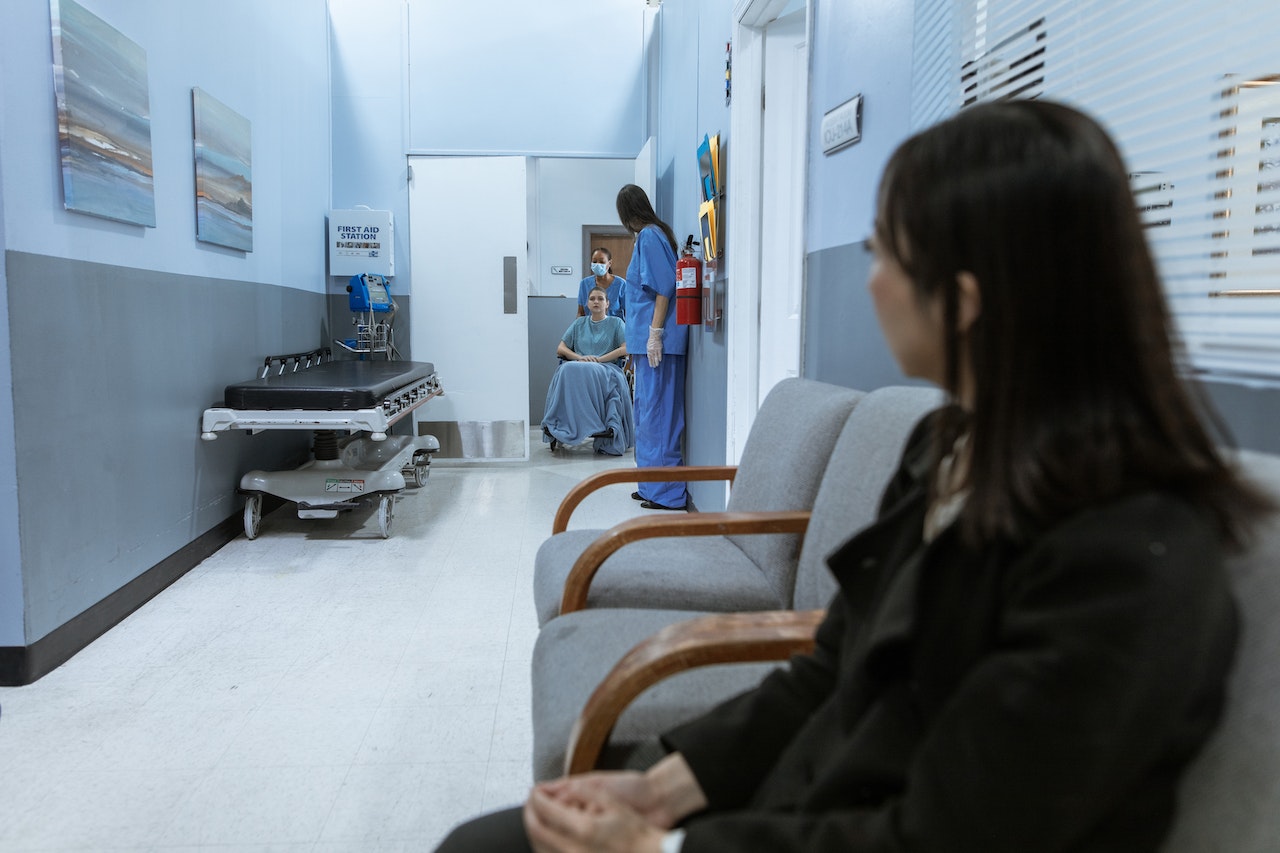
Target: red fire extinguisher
{"type": "Point", "coordinates": [688, 286]}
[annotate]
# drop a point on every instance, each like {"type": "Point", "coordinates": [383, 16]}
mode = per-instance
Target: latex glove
{"type": "Point", "coordinates": [654, 348]}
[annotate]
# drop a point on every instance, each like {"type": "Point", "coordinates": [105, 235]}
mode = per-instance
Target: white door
{"type": "Point", "coordinates": [765, 241]}
{"type": "Point", "coordinates": [786, 71]}
{"type": "Point", "coordinates": [468, 247]}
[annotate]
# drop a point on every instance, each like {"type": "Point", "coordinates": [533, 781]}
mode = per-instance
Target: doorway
{"type": "Point", "coordinates": [782, 199]}
{"type": "Point", "coordinates": [765, 217]}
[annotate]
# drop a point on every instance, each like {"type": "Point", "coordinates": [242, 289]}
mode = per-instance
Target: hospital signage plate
{"type": "Point", "coordinates": [842, 126]}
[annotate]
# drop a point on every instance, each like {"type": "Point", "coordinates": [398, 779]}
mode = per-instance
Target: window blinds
{"type": "Point", "coordinates": [1190, 89]}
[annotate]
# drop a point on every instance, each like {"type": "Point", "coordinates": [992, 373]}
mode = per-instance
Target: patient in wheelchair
{"type": "Point", "coordinates": [589, 397]}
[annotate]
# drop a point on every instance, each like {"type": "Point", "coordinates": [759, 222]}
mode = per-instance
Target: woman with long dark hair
{"type": "Point", "coordinates": [1030, 643]}
{"type": "Point", "coordinates": [657, 345]}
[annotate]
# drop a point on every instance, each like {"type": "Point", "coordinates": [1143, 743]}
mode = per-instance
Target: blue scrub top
{"type": "Point", "coordinates": [616, 293]}
{"type": "Point", "coordinates": [652, 272]}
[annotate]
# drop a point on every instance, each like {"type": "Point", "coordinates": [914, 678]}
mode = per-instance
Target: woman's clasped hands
{"type": "Point", "coordinates": [596, 812]}
{"type": "Point", "coordinates": [612, 812]}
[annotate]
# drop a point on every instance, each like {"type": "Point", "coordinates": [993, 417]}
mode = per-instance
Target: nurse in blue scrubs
{"type": "Point", "coordinates": [657, 346]}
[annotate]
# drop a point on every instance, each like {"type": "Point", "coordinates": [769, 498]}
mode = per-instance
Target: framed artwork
{"type": "Point", "coordinates": [224, 174]}
{"type": "Point", "coordinates": [104, 117]}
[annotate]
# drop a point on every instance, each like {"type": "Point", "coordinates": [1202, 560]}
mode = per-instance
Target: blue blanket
{"type": "Point", "coordinates": [588, 399]}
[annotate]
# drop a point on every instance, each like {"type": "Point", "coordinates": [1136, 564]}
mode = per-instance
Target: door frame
{"type": "Point", "coordinates": [742, 297]}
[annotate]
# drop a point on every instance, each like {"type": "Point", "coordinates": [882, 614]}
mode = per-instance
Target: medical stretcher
{"type": "Point", "coordinates": [359, 399]}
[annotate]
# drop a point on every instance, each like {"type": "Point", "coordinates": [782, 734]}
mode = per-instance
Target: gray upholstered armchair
{"type": "Point", "coordinates": [577, 650]}
{"type": "Point", "coordinates": [705, 561]}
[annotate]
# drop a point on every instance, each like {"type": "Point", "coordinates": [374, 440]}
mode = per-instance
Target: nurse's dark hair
{"type": "Point", "coordinates": [1076, 397]}
{"type": "Point", "coordinates": [602, 250]}
{"type": "Point", "coordinates": [635, 212]}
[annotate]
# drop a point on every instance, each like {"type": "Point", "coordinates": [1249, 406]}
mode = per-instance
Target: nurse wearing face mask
{"type": "Point", "coordinates": [602, 277]}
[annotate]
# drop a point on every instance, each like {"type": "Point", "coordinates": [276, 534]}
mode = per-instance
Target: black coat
{"type": "Point", "coordinates": [1043, 697]}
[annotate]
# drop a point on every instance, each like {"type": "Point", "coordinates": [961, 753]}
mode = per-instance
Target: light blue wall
{"type": "Point", "coordinates": [858, 48]}
{"type": "Point", "coordinates": [513, 77]}
{"type": "Point", "coordinates": [117, 335]}
{"type": "Point", "coordinates": [267, 72]}
{"type": "Point", "coordinates": [367, 80]}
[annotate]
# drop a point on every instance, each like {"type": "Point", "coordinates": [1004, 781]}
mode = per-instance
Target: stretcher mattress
{"type": "Point", "coordinates": [332, 385]}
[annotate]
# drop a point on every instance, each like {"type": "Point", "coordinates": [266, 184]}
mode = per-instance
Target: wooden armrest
{"type": "Point", "coordinates": [771, 635]}
{"type": "Point", "coordinates": [588, 563]}
{"type": "Point", "coordinates": [682, 473]}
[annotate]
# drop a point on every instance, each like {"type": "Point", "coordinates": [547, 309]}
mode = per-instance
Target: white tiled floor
{"type": "Point", "coordinates": [317, 689]}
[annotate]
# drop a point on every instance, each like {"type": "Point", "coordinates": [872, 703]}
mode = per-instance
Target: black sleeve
{"type": "Point", "coordinates": [731, 748]}
{"type": "Point", "coordinates": [1114, 632]}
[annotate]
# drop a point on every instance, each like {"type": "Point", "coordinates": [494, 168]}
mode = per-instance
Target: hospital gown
{"type": "Point", "coordinates": [591, 399]}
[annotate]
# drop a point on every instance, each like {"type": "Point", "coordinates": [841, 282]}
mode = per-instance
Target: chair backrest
{"type": "Point", "coordinates": [1230, 797]}
{"type": "Point", "coordinates": [864, 459]}
{"type": "Point", "coordinates": [782, 463]}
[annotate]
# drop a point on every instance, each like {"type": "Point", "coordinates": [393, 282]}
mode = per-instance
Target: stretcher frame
{"type": "Point", "coordinates": [363, 470]}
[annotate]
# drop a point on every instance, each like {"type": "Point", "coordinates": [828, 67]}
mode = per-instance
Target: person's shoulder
{"type": "Point", "coordinates": [1145, 509]}
{"type": "Point", "coordinates": [1140, 532]}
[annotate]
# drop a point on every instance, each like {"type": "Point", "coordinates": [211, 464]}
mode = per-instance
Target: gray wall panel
{"type": "Point", "coordinates": [549, 317]}
{"type": "Point", "coordinates": [842, 340]}
{"type": "Point", "coordinates": [706, 401]}
{"type": "Point", "coordinates": [112, 368]}
{"type": "Point", "coordinates": [1251, 415]}
{"type": "Point", "coordinates": [843, 345]}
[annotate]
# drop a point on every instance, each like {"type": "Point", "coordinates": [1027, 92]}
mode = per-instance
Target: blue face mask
{"type": "Point", "coordinates": [600, 269]}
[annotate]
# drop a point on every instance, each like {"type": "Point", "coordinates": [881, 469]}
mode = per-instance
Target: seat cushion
{"type": "Point", "coordinates": [695, 572]}
{"type": "Point", "coordinates": [573, 654]}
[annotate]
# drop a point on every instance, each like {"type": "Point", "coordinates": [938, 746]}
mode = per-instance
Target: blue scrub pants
{"type": "Point", "coordinates": [660, 424]}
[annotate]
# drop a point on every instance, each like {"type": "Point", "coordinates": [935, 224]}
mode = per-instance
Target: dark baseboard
{"type": "Point", "coordinates": [24, 664]}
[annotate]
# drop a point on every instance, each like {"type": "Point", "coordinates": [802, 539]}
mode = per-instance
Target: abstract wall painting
{"type": "Point", "coordinates": [104, 117]}
{"type": "Point", "coordinates": [224, 174]}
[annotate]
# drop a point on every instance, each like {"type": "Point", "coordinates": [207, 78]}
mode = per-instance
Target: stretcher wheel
{"type": "Point", "coordinates": [252, 516]}
{"type": "Point", "coordinates": [420, 473]}
{"type": "Point", "coordinates": [385, 512]}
